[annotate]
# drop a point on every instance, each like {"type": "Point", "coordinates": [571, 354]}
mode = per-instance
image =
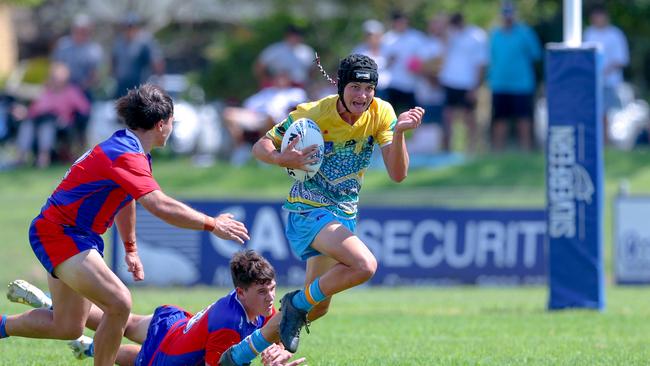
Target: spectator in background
{"type": "Point", "coordinates": [514, 49]}
{"type": "Point", "coordinates": [461, 75]}
{"type": "Point", "coordinates": [428, 92]}
{"type": "Point", "coordinates": [372, 46]}
{"type": "Point", "coordinates": [259, 113]}
{"type": "Point", "coordinates": [291, 55]}
{"type": "Point", "coordinates": [135, 56]}
{"type": "Point", "coordinates": [56, 109]}
{"type": "Point", "coordinates": [80, 54]}
{"type": "Point", "coordinates": [402, 44]}
{"type": "Point", "coordinates": [615, 53]}
{"type": "Point", "coordinates": [7, 128]}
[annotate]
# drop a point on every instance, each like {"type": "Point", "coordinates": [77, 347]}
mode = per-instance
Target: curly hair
{"type": "Point", "coordinates": [248, 267]}
{"type": "Point", "coordinates": [143, 106]}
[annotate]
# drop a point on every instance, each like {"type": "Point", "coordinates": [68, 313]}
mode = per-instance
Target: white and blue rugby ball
{"type": "Point", "coordinates": [310, 134]}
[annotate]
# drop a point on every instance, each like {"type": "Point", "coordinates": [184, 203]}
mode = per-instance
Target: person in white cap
{"type": "Point", "coordinates": [372, 46]}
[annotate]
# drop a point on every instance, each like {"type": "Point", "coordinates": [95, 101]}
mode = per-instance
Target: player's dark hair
{"type": "Point", "coordinates": [248, 268]}
{"type": "Point", "coordinates": [144, 106]}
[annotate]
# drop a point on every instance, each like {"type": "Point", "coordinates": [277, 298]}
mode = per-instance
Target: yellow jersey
{"type": "Point", "coordinates": [348, 150]}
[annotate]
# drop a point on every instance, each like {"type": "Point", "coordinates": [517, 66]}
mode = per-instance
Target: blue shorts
{"type": "Point", "coordinates": [303, 227]}
{"type": "Point", "coordinates": [163, 318]}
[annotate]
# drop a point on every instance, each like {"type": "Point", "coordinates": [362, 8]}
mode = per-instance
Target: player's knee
{"type": "Point", "coordinates": [367, 268]}
{"type": "Point", "coordinates": [120, 305]}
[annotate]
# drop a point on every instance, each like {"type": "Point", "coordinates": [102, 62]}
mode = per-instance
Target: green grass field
{"type": "Point", "coordinates": [383, 326]}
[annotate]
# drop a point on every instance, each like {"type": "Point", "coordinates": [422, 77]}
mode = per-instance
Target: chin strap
{"type": "Point", "coordinates": [369, 104]}
{"type": "Point", "coordinates": [344, 105]}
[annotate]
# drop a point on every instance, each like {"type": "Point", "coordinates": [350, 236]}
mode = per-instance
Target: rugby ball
{"type": "Point", "coordinates": [309, 134]}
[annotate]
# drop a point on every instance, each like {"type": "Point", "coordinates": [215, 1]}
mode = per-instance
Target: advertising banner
{"type": "Point", "coordinates": [412, 245]}
{"type": "Point", "coordinates": [632, 240]}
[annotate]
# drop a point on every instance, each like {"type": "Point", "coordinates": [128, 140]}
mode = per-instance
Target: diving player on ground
{"type": "Point", "coordinates": [172, 336]}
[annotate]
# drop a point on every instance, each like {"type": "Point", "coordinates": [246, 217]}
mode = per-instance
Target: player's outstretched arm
{"type": "Point", "coordinates": [395, 155]}
{"type": "Point", "coordinates": [265, 151]}
{"type": "Point", "coordinates": [181, 215]}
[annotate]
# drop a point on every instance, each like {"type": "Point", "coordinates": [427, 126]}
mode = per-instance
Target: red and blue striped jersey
{"type": "Point", "coordinates": [100, 183]}
{"type": "Point", "coordinates": [202, 338]}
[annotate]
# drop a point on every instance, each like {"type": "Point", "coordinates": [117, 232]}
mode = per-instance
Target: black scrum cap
{"type": "Point", "coordinates": [356, 68]}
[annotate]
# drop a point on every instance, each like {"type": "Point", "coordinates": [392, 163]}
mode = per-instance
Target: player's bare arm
{"type": "Point", "coordinates": [396, 155]}
{"type": "Point", "coordinates": [125, 222]}
{"type": "Point", "coordinates": [265, 151]}
{"type": "Point", "coordinates": [181, 215]}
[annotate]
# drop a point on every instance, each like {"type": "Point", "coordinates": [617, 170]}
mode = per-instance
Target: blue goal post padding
{"type": "Point", "coordinates": [574, 177]}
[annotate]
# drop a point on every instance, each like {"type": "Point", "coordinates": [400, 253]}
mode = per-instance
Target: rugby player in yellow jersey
{"type": "Point", "coordinates": [322, 210]}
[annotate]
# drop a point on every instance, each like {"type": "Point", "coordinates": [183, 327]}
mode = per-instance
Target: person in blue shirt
{"type": "Point", "coordinates": [514, 49]}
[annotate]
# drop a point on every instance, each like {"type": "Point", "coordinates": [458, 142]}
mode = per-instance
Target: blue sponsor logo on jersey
{"type": "Point", "coordinates": [329, 147]}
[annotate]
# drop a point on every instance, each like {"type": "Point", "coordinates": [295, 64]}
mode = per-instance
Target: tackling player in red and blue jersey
{"type": "Point", "coordinates": [175, 337]}
{"type": "Point", "coordinates": [92, 192]}
{"type": "Point", "coordinates": [101, 187]}
{"type": "Point", "coordinates": [204, 336]}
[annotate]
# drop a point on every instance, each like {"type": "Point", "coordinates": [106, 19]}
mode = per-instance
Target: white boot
{"type": "Point", "coordinates": [24, 292]}
{"type": "Point", "coordinates": [82, 347]}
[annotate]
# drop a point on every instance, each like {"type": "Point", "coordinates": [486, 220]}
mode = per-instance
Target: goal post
{"type": "Point", "coordinates": [574, 169]}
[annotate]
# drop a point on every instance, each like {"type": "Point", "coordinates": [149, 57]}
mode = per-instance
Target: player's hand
{"type": "Point", "coordinates": [276, 355]}
{"type": "Point", "coordinates": [134, 265]}
{"type": "Point", "coordinates": [298, 159]}
{"type": "Point", "coordinates": [230, 229]}
{"type": "Point", "coordinates": [409, 120]}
